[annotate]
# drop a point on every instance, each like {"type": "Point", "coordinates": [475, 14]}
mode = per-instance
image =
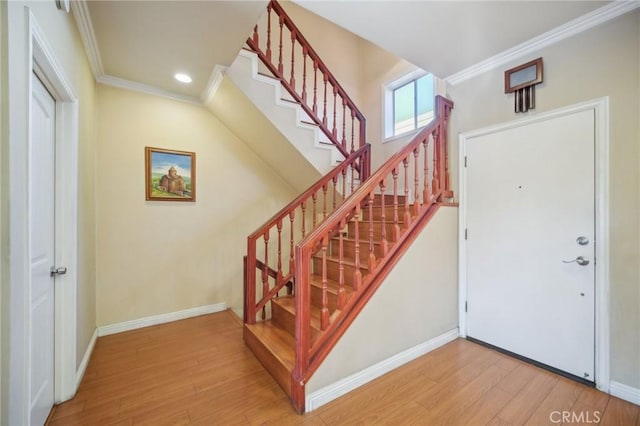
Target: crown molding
{"type": "Point", "coordinates": [571, 28]}
{"type": "Point", "coordinates": [217, 75]}
{"type": "Point", "coordinates": [85, 27]}
{"type": "Point", "coordinates": [145, 88]}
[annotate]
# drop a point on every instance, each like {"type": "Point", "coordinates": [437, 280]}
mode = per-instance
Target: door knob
{"type": "Point", "coordinates": [58, 271]}
{"type": "Point", "coordinates": [580, 260]}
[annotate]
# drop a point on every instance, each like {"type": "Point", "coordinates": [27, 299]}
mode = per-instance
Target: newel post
{"type": "Point", "coordinates": [250, 283]}
{"type": "Point", "coordinates": [444, 107]}
{"type": "Point", "coordinates": [303, 316]}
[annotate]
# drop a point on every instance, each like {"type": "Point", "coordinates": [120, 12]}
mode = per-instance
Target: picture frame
{"type": "Point", "coordinates": [522, 76]}
{"type": "Point", "coordinates": [170, 175]}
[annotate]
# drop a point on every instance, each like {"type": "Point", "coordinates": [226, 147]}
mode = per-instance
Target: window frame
{"type": "Point", "coordinates": [388, 128]}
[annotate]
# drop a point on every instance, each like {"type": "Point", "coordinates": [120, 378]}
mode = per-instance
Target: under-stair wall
{"type": "Point", "coordinates": [414, 311]}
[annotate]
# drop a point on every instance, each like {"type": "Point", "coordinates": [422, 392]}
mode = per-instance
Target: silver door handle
{"type": "Point", "coordinates": [580, 260]}
{"type": "Point", "coordinates": [58, 271]}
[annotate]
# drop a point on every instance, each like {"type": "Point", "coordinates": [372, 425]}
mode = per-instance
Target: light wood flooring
{"type": "Point", "coordinates": [198, 371]}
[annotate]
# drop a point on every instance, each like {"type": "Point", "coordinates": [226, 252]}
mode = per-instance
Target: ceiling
{"type": "Point", "coordinates": [144, 43]}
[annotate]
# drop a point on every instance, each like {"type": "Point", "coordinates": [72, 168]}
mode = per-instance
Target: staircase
{"type": "Point", "coordinates": [312, 267]}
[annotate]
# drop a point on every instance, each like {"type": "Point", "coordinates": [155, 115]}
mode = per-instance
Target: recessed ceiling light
{"type": "Point", "coordinates": [183, 78]}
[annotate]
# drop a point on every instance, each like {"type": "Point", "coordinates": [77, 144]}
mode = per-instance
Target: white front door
{"type": "Point", "coordinates": [529, 216]}
{"type": "Point", "coordinates": [41, 256]}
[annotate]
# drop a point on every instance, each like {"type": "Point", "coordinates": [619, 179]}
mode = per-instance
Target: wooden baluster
{"type": "Point", "coordinates": [344, 184]}
{"type": "Point", "coordinates": [353, 172]}
{"type": "Point", "coordinates": [334, 131]}
{"type": "Point", "coordinates": [256, 38]}
{"type": "Point", "coordinates": [292, 82]}
{"type": "Point", "coordinates": [314, 108]}
{"type": "Point", "coordinates": [426, 198]}
{"type": "Point", "coordinates": [435, 183]}
{"type": "Point", "coordinates": [324, 115]}
{"type": "Point", "coordinates": [324, 201]}
{"type": "Point", "coordinates": [353, 131]}
{"type": "Point", "coordinates": [314, 196]}
{"type": "Point", "coordinates": [341, 291]}
{"type": "Point", "coordinates": [265, 272]}
{"type": "Point", "coordinates": [268, 54]}
{"type": "Point", "coordinates": [279, 273]}
{"type": "Point", "coordinates": [396, 219]}
{"type": "Point", "coordinates": [357, 274]}
{"type": "Point", "coordinates": [335, 191]}
{"type": "Point", "coordinates": [407, 214]}
{"type": "Point", "coordinates": [324, 311]}
{"type": "Point", "coordinates": [416, 183]}
{"type": "Point", "coordinates": [384, 244]}
{"type": "Point", "coordinates": [303, 205]}
{"type": "Point", "coordinates": [304, 73]}
{"type": "Point", "coordinates": [372, 254]}
{"type": "Point", "coordinates": [292, 262]}
{"type": "Point", "coordinates": [344, 124]}
{"type": "Point", "coordinates": [280, 65]}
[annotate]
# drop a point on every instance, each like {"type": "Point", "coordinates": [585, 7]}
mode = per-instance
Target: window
{"type": "Point", "coordinates": [409, 104]}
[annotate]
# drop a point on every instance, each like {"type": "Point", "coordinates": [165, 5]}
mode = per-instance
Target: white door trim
{"type": "Point", "coordinates": [39, 57]}
{"type": "Point", "coordinates": [601, 109]}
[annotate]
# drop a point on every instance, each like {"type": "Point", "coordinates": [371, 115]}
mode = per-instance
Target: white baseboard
{"type": "Point", "coordinates": [160, 319]}
{"type": "Point", "coordinates": [625, 392]}
{"type": "Point", "coordinates": [85, 359]}
{"type": "Point", "coordinates": [341, 387]}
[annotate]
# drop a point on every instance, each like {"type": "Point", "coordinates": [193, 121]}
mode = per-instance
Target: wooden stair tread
{"type": "Point", "coordinates": [278, 341]}
{"type": "Point", "coordinates": [332, 285]}
{"type": "Point", "coordinates": [345, 261]}
{"type": "Point", "coordinates": [289, 303]}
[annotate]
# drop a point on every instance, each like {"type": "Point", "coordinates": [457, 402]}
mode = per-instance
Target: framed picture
{"type": "Point", "coordinates": [170, 175]}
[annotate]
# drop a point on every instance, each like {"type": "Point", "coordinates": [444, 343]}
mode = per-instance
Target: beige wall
{"type": "Point", "coordinates": [413, 305]}
{"type": "Point", "coordinates": [338, 48]}
{"type": "Point", "coordinates": [161, 257]}
{"type": "Point", "coordinates": [604, 61]}
{"type": "Point", "coordinates": [379, 68]}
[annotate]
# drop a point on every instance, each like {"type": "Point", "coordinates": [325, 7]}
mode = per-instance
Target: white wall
{"type": "Point", "coordinates": [4, 225]}
{"type": "Point", "coordinates": [604, 61]}
{"type": "Point", "coordinates": [416, 302]}
{"type": "Point", "coordinates": [160, 257]}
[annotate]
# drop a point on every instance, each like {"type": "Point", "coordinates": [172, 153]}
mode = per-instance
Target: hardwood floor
{"type": "Point", "coordinates": [198, 371]}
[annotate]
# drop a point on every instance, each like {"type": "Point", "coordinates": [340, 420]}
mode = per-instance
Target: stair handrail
{"type": "Point", "coordinates": [343, 177]}
{"type": "Point", "coordinates": [301, 96]}
{"type": "Point", "coordinates": [309, 354]}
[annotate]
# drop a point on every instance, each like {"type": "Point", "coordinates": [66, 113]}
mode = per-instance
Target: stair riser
{"type": "Point", "coordinates": [349, 249]}
{"type": "Point", "coordinates": [269, 361]}
{"type": "Point", "coordinates": [388, 213]}
{"type": "Point", "coordinates": [285, 319]}
{"type": "Point", "coordinates": [364, 230]}
{"type": "Point", "coordinates": [333, 270]}
{"type": "Point", "coordinates": [316, 298]}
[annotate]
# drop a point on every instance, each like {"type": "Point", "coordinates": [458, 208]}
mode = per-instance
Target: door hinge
{"type": "Point", "coordinates": [465, 306]}
{"type": "Point", "coordinates": [465, 233]}
{"type": "Point", "coordinates": [465, 161]}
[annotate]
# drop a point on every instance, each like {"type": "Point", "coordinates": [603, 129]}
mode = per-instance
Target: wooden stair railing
{"type": "Point", "coordinates": [291, 59]}
{"type": "Point", "coordinates": [380, 220]}
{"type": "Point", "coordinates": [272, 255]}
